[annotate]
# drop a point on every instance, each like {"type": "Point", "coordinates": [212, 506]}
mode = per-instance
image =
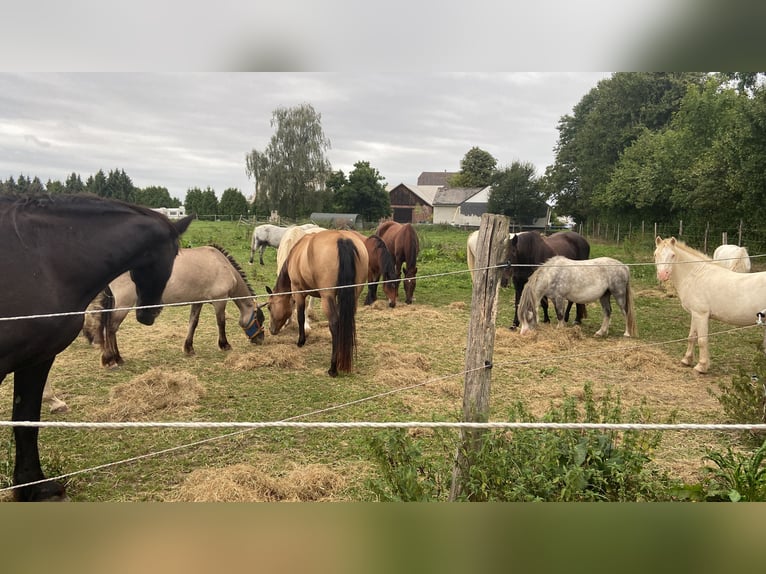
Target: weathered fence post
{"type": "Point", "coordinates": [490, 252]}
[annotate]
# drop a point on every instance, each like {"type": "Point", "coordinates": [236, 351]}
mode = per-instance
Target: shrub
{"type": "Point", "coordinates": [532, 464]}
{"type": "Point", "coordinates": [744, 400]}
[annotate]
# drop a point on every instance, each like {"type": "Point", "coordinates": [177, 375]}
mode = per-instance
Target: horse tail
{"type": "Point", "coordinates": [413, 248]}
{"type": "Point", "coordinates": [347, 299]}
{"type": "Point", "coordinates": [630, 313]}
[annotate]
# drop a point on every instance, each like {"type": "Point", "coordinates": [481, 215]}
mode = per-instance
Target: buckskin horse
{"type": "Point", "coordinates": [206, 273]}
{"type": "Point", "coordinates": [331, 265]}
{"type": "Point", "coordinates": [58, 253]}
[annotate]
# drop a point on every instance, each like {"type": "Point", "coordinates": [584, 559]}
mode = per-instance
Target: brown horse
{"type": "Point", "coordinates": [528, 250]}
{"type": "Point", "coordinates": [381, 264]}
{"type": "Point", "coordinates": [331, 265]}
{"type": "Point", "coordinates": [199, 274]}
{"type": "Point", "coordinates": [402, 242]}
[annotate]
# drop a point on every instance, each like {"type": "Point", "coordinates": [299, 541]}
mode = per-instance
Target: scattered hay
{"type": "Point", "coordinates": [458, 306]}
{"type": "Point", "coordinates": [280, 356]}
{"type": "Point", "coordinates": [155, 391]}
{"type": "Point", "coordinates": [245, 483]}
{"type": "Point", "coordinates": [400, 368]}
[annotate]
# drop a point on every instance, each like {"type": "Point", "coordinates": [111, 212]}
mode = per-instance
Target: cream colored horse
{"type": "Point", "coordinates": [708, 291]}
{"type": "Point", "coordinates": [732, 257]}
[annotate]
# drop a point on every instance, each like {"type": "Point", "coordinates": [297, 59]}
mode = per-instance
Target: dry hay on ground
{"type": "Point", "coordinates": [155, 391]}
{"type": "Point", "coordinates": [279, 355]}
{"type": "Point", "coordinates": [245, 483]}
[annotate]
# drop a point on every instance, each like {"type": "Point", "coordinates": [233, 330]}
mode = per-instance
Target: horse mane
{"type": "Point", "coordinates": [691, 251]}
{"type": "Point", "coordinates": [387, 265]}
{"type": "Point", "coordinates": [236, 266]}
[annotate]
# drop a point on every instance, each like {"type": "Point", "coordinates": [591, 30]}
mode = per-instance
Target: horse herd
{"type": "Point", "coordinates": [48, 279]}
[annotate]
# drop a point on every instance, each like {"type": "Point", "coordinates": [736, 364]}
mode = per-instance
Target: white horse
{"type": "Point", "coordinates": [708, 291]}
{"type": "Point", "coordinates": [269, 235]}
{"type": "Point", "coordinates": [579, 281]}
{"type": "Point", "coordinates": [470, 251]}
{"type": "Point", "coordinates": [732, 257]}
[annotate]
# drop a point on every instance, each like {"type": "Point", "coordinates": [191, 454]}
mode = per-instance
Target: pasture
{"type": "Point", "coordinates": [409, 366]}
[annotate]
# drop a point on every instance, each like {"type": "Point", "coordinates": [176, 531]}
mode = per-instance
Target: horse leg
{"type": "Point", "coordinates": [193, 322]}
{"type": "Point", "coordinates": [544, 305]}
{"type": "Point", "coordinates": [688, 358]}
{"type": "Point", "coordinates": [566, 313]}
{"type": "Point", "coordinates": [581, 313]}
{"type": "Point", "coordinates": [518, 287]}
{"type": "Point", "coordinates": [28, 386]}
{"type": "Point", "coordinates": [328, 306]}
{"type": "Point", "coordinates": [300, 308]}
{"type": "Point", "coordinates": [110, 353]}
{"type": "Point", "coordinates": [606, 306]}
{"type": "Point", "coordinates": [372, 290]}
{"type": "Point", "coordinates": [220, 318]}
{"type": "Point", "coordinates": [56, 405]}
{"type": "Point", "coordinates": [558, 308]}
{"type": "Point", "coordinates": [703, 364]}
{"type": "Point", "coordinates": [263, 248]}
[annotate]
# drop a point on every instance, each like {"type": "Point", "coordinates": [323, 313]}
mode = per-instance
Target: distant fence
{"type": "Point", "coordinates": [704, 237]}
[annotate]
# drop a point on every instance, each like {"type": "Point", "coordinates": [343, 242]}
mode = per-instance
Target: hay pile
{"type": "Point", "coordinates": [155, 391]}
{"type": "Point", "coordinates": [245, 483]}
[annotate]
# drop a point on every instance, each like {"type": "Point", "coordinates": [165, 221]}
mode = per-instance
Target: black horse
{"type": "Point", "coordinates": [529, 249]}
{"type": "Point", "coordinates": [57, 254]}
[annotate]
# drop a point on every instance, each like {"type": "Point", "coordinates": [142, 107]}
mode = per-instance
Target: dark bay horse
{"type": "Point", "coordinates": [322, 265]}
{"type": "Point", "coordinates": [381, 264]}
{"type": "Point", "coordinates": [529, 249]}
{"type": "Point", "coordinates": [199, 274]}
{"type": "Point", "coordinates": [402, 241]}
{"type": "Point", "coordinates": [57, 254]}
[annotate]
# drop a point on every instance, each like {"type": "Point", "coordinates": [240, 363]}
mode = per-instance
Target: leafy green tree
{"type": "Point", "coordinates": [233, 203]}
{"type": "Point", "coordinates": [120, 186]}
{"type": "Point", "coordinates": [156, 196]}
{"type": "Point", "coordinates": [517, 193]}
{"type": "Point", "coordinates": [292, 170]}
{"type": "Point", "coordinates": [603, 125]}
{"type": "Point", "coordinates": [364, 193]}
{"type": "Point", "coordinates": [476, 169]}
{"type": "Point", "coordinates": [201, 203]}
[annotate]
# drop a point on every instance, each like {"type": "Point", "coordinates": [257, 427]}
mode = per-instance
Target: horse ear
{"type": "Point", "coordinates": [672, 240]}
{"type": "Point", "coordinates": [183, 224]}
{"type": "Point", "coordinates": [515, 239]}
{"type": "Point", "coordinates": [657, 240]}
{"type": "Point", "coordinates": [268, 290]}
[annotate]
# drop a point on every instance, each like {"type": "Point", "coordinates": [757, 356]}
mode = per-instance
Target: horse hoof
{"type": "Point", "coordinates": [332, 373]}
{"type": "Point", "coordinates": [59, 408]}
{"type": "Point", "coordinates": [700, 370]}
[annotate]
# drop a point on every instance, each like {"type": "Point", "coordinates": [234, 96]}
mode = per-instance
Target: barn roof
{"type": "Point", "coordinates": [437, 178]}
{"type": "Point", "coordinates": [455, 195]}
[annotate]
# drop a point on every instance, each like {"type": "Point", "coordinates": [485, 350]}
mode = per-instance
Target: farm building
{"type": "Point", "coordinates": [460, 206]}
{"type": "Point", "coordinates": [338, 220]}
{"type": "Point", "coordinates": [413, 203]}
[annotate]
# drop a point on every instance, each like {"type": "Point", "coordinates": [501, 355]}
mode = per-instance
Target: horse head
{"type": "Point", "coordinates": [280, 309]}
{"type": "Point", "coordinates": [664, 256]}
{"type": "Point", "coordinates": [254, 328]}
{"type": "Point", "coordinates": [410, 282]}
{"type": "Point", "coordinates": [152, 271]}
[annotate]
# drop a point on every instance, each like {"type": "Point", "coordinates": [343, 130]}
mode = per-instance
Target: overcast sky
{"type": "Point", "coordinates": [194, 130]}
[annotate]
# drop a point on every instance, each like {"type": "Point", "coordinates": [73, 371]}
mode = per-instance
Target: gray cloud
{"type": "Point", "coordinates": [186, 130]}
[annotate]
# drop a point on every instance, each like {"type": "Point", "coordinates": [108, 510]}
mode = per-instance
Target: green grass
{"type": "Point", "coordinates": [399, 347]}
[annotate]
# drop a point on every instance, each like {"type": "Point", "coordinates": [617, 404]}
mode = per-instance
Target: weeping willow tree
{"type": "Point", "coordinates": [290, 174]}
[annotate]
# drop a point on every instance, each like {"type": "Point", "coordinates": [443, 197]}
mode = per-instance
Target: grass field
{"type": "Point", "coordinates": [410, 359]}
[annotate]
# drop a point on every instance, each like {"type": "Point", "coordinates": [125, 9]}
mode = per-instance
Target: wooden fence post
{"type": "Point", "coordinates": [490, 252]}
